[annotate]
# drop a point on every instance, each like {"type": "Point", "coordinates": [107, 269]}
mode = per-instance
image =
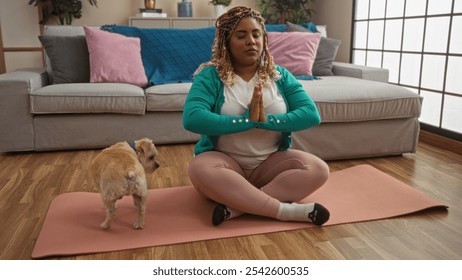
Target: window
{"type": "Point", "coordinates": [420, 43]}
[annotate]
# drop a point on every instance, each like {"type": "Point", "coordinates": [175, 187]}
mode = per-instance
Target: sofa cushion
{"type": "Point", "coordinates": [294, 51]}
{"type": "Point", "coordinates": [64, 31]}
{"type": "Point", "coordinates": [339, 99]}
{"type": "Point", "coordinates": [344, 99]}
{"type": "Point", "coordinates": [114, 58]}
{"type": "Point", "coordinates": [325, 56]}
{"type": "Point", "coordinates": [68, 57]}
{"type": "Point", "coordinates": [88, 98]}
{"type": "Point", "coordinates": [326, 53]}
{"type": "Point", "coordinates": [168, 97]}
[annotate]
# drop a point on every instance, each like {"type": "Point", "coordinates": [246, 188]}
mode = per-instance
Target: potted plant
{"type": "Point", "coordinates": [220, 6]}
{"type": "Point", "coordinates": [281, 11]}
{"type": "Point", "coordinates": [64, 10]}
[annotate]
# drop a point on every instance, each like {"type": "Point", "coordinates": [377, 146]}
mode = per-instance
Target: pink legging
{"type": "Point", "coordinates": [285, 176]}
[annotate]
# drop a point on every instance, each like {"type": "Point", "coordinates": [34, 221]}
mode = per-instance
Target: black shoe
{"type": "Point", "coordinates": [220, 214]}
{"type": "Point", "coordinates": [319, 215]}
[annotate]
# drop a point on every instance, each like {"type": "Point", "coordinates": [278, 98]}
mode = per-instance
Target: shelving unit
{"type": "Point", "coordinates": [171, 22]}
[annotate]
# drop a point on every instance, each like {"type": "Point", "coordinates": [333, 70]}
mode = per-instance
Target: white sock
{"type": "Point", "coordinates": [311, 212]}
{"type": "Point", "coordinates": [294, 212]}
{"type": "Point", "coordinates": [234, 213]}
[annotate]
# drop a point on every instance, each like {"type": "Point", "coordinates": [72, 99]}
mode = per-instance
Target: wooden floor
{"type": "Point", "coordinates": [29, 181]}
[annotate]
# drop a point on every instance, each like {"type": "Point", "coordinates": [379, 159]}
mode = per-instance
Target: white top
{"type": "Point", "coordinates": [250, 148]}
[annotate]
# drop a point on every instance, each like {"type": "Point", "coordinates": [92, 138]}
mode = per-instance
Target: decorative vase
{"type": "Point", "coordinates": [219, 10]}
{"type": "Point", "coordinates": [184, 9]}
{"type": "Point", "coordinates": [150, 4]}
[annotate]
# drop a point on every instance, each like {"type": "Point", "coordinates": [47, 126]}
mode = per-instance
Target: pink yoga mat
{"type": "Point", "coordinates": [179, 215]}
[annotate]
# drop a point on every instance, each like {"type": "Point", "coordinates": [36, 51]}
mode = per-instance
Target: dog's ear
{"type": "Point", "coordinates": [140, 148]}
{"type": "Point", "coordinates": [143, 146]}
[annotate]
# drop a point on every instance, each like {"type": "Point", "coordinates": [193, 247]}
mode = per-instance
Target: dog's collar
{"type": "Point", "coordinates": [132, 144]}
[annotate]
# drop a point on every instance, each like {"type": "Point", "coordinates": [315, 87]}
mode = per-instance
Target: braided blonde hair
{"type": "Point", "coordinates": [221, 59]}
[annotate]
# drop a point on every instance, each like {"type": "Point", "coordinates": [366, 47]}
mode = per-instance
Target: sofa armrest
{"type": "Point", "coordinates": [360, 72]}
{"type": "Point", "coordinates": [16, 121]}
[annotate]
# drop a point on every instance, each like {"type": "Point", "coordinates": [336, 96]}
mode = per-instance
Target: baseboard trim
{"type": "Point", "coordinates": [440, 142]}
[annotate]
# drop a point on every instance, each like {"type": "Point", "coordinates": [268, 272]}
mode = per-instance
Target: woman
{"type": "Point", "coordinates": [245, 107]}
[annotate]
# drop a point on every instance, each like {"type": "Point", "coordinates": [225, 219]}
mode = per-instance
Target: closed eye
{"type": "Point", "coordinates": [243, 34]}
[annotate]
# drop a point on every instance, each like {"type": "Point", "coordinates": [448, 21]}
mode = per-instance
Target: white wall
{"type": "Point", "coordinates": [19, 29]}
{"type": "Point", "coordinates": [337, 15]}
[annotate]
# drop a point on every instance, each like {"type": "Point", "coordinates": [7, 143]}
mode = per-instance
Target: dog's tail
{"type": "Point", "coordinates": [131, 175]}
{"type": "Point", "coordinates": [134, 180]}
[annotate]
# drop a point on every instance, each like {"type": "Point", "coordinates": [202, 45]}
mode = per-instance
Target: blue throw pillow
{"type": "Point", "coordinates": [170, 55]}
{"type": "Point", "coordinates": [275, 27]}
{"type": "Point", "coordinates": [282, 27]}
{"type": "Point", "coordinates": [311, 26]}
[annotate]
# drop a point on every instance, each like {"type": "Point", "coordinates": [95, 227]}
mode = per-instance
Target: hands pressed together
{"type": "Point", "coordinates": [257, 111]}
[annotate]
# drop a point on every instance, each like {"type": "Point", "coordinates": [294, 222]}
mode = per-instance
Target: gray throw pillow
{"type": "Point", "coordinates": [325, 56]}
{"type": "Point", "coordinates": [68, 57]}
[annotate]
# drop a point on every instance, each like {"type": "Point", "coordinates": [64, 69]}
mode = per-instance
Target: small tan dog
{"type": "Point", "coordinates": [119, 171]}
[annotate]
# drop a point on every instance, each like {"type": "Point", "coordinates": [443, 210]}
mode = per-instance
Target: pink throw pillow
{"type": "Point", "coordinates": [294, 51]}
{"type": "Point", "coordinates": [114, 58]}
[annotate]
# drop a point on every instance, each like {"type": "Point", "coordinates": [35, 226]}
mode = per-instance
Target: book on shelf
{"type": "Point", "coordinates": [143, 10]}
{"type": "Point", "coordinates": [144, 14]}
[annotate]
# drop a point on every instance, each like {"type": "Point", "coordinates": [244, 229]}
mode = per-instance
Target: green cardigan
{"type": "Point", "coordinates": [203, 104]}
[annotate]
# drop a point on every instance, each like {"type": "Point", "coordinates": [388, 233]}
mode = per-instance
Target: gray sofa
{"type": "Point", "coordinates": [362, 114]}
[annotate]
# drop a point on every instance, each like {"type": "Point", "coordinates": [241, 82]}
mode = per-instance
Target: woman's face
{"type": "Point", "coordinates": [246, 43]}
